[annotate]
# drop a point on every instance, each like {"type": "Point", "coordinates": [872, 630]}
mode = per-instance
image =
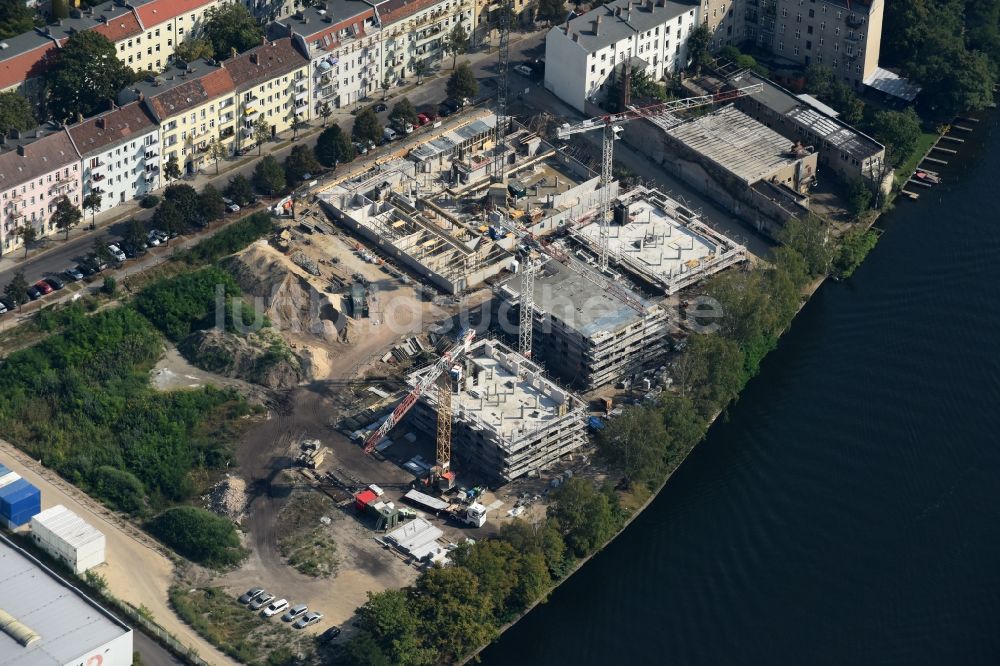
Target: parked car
{"type": "Point", "coordinates": [380, 107]}
{"type": "Point", "coordinates": [423, 119]}
{"type": "Point", "coordinates": [309, 618]}
{"type": "Point", "coordinates": [275, 607]}
{"type": "Point", "coordinates": [55, 283]}
{"type": "Point", "coordinates": [261, 600]}
{"type": "Point", "coordinates": [361, 148]}
{"type": "Point", "coordinates": [524, 70]}
{"type": "Point", "coordinates": [73, 273]}
{"type": "Point", "coordinates": [132, 251]}
{"type": "Point", "coordinates": [389, 134]}
{"type": "Point", "coordinates": [250, 595]}
{"type": "Point", "coordinates": [86, 269]}
{"type": "Point", "coordinates": [231, 205]}
{"type": "Point", "coordinates": [444, 110]}
{"type": "Point", "coordinates": [294, 612]}
{"type": "Point", "coordinates": [3, 308]}
{"type": "Point", "coordinates": [152, 239]}
{"type": "Point", "coordinates": [329, 635]}
{"type": "Point", "coordinates": [116, 252]}
{"type": "Point", "coordinates": [43, 287]}
{"type": "Point", "coordinates": [7, 304]}
{"type": "Point", "coordinates": [34, 293]}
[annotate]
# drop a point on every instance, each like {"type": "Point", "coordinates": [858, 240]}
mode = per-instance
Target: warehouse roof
{"type": "Point", "coordinates": [68, 526]}
{"type": "Point", "coordinates": [68, 623]}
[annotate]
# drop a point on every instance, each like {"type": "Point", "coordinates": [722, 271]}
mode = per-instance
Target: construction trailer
{"type": "Point", "coordinates": [509, 419]}
{"type": "Point", "coordinates": [19, 500]}
{"type": "Point", "coordinates": [68, 538]}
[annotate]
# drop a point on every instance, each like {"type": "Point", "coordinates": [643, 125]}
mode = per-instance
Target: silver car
{"type": "Point", "coordinates": [312, 617]}
{"type": "Point", "coordinates": [294, 612]}
{"type": "Point", "coordinates": [260, 601]}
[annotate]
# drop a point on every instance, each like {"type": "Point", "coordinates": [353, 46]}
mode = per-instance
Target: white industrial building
{"type": "Point", "coordinates": [582, 53]}
{"type": "Point", "coordinates": [68, 538]}
{"type": "Point", "coordinates": [45, 621]}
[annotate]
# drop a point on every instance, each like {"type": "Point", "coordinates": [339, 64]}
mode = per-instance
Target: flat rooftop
{"type": "Point", "coordinates": [68, 623]}
{"type": "Point", "coordinates": [621, 19]}
{"type": "Point", "coordinates": [662, 241]}
{"type": "Point", "coordinates": [504, 392]}
{"type": "Point", "coordinates": [736, 142]}
{"type": "Point", "coordinates": [575, 294]}
{"type": "Point", "coordinates": [447, 142]}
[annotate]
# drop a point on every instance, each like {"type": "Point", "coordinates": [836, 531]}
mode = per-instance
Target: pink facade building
{"type": "Point", "coordinates": [36, 168]}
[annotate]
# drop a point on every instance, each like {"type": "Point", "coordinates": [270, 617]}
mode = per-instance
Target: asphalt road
{"type": "Point", "coordinates": [151, 652]}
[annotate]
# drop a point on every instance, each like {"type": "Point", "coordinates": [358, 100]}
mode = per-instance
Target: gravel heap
{"type": "Point", "coordinates": [229, 498]}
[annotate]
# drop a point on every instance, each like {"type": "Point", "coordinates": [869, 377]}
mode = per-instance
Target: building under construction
{"type": "Point", "coordinates": [508, 418]}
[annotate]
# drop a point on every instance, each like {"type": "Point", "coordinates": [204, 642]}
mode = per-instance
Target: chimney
{"type": "Point", "coordinates": [20, 150]}
{"type": "Point", "coordinates": [254, 59]}
{"type": "Point", "coordinates": [100, 123]}
{"type": "Point", "coordinates": [576, 36]}
{"type": "Point", "coordinates": [79, 117]}
{"type": "Point", "coordinates": [649, 5]}
{"type": "Point", "coordinates": [618, 11]}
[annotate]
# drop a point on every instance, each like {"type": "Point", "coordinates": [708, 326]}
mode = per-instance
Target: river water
{"type": "Point", "coordinates": [848, 510]}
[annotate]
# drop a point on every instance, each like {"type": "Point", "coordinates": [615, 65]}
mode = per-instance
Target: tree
{"type": "Point", "coordinates": [386, 84]}
{"type": "Point", "coordinates": [809, 238]}
{"type": "Point", "coordinates": [60, 9]}
{"type": "Point", "coordinates": [462, 83]}
{"type": "Point", "coordinates": [91, 202]}
{"type": "Point", "coordinates": [231, 27]}
{"type": "Point", "coordinates": [854, 247]}
{"type": "Point", "coordinates": [367, 126]}
{"type": "Point", "coordinates": [168, 219]}
{"type": "Point", "coordinates": [185, 198]}
{"type": "Point", "coordinates": [28, 235]}
{"type": "Point", "coordinates": [455, 615]}
{"type": "Point", "coordinates": [85, 74]}
{"type": "Point", "coordinates": [326, 111]}
{"type": "Point", "coordinates": [298, 124]}
{"type": "Point", "coordinates": [217, 151]}
{"type": "Point", "coordinates": [584, 515]}
{"type": "Point", "coordinates": [845, 100]}
{"type": "Point", "coordinates": [210, 203]}
{"type": "Point", "coordinates": [300, 161]}
{"type": "Point", "coordinates": [819, 80]}
{"type": "Point", "coordinates": [858, 195]}
{"type": "Point", "coordinates": [697, 48]}
{"type": "Point", "coordinates": [333, 147]}
{"type": "Point", "coordinates": [551, 11]}
{"type": "Point", "coordinates": [15, 18]}
{"type": "Point", "coordinates": [239, 190]}
{"type": "Point", "coordinates": [171, 169]}
{"type": "Point", "coordinates": [199, 535]}
{"type": "Point", "coordinates": [101, 251]}
{"type": "Point", "coordinates": [194, 48]}
{"type": "Point", "coordinates": [17, 289]}
{"type": "Point", "coordinates": [456, 43]}
{"type": "Point", "coordinates": [269, 177]}
{"type": "Point", "coordinates": [420, 69]}
{"type": "Point", "coordinates": [135, 233]}
{"type": "Point", "coordinates": [711, 372]}
{"type": "Point", "coordinates": [388, 618]}
{"type": "Point", "coordinates": [635, 443]}
{"type": "Point", "coordinates": [15, 113]}
{"type": "Point", "coordinates": [66, 215]}
{"type": "Point", "coordinates": [403, 112]}
{"type": "Point", "coordinates": [261, 132]}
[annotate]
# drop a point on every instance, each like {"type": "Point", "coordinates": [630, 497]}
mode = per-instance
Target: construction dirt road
{"type": "Point", "coordinates": [136, 569]}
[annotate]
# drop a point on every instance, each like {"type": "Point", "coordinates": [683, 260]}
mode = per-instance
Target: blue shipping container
{"type": "Point", "coordinates": [19, 501]}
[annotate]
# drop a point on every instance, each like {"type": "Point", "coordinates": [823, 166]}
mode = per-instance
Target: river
{"type": "Point", "coordinates": [848, 509]}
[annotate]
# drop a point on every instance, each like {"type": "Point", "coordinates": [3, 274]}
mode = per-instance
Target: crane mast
{"type": "Point", "coordinates": [503, 63]}
{"type": "Point", "coordinates": [527, 308]}
{"type": "Point", "coordinates": [444, 423]}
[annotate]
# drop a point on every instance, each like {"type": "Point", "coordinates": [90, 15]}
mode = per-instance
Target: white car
{"type": "Point", "coordinates": [116, 252]}
{"type": "Point", "coordinates": [231, 205]}
{"type": "Point", "coordinates": [275, 607]}
{"type": "Point", "coordinates": [152, 239]}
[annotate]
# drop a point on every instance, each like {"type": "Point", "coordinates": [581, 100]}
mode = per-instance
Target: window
{"type": "Point", "coordinates": [784, 12]}
{"type": "Point", "coordinates": [795, 50]}
{"type": "Point", "coordinates": [809, 45]}
{"type": "Point", "coordinates": [812, 13]}
{"type": "Point", "coordinates": [781, 47]}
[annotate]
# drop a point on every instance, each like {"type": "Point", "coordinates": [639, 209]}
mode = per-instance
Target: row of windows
{"type": "Point", "coordinates": [41, 181]}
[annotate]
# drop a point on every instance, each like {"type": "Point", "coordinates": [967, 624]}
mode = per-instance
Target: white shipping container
{"type": "Point", "coordinates": [68, 538]}
{"type": "Point", "coordinates": [8, 478]}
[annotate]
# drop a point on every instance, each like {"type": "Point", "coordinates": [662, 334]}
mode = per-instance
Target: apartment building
{"type": "Point", "coordinates": [486, 16]}
{"type": "Point", "coordinates": [36, 168]}
{"type": "Point", "coordinates": [271, 81]}
{"type": "Point", "coordinates": [164, 24]}
{"type": "Point", "coordinates": [844, 35]}
{"type": "Point", "coordinates": [414, 33]}
{"type": "Point", "coordinates": [343, 40]}
{"type": "Point", "coordinates": [584, 52]}
{"type": "Point", "coordinates": [192, 106]}
{"type": "Point", "coordinates": [119, 153]}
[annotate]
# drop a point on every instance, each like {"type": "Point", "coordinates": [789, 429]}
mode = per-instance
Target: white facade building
{"type": "Point", "coordinates": [119, 153]}
{"type": "Point", "coordinates": [581, 54]}
{"type": "Point", "coordinates": [68, 538]}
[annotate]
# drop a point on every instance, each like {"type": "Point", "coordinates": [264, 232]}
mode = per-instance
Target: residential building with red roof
{"type": "Point", "coordinates": [36, 169]}
{"type": "Point", "coordinates": [119, 152]}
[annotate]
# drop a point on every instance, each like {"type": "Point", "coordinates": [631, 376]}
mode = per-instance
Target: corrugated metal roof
{"type": "Point", "coordinates": [68, 526]}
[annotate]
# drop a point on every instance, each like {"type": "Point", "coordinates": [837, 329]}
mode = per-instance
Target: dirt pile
{"type": "Point", "coordinates": [229, 498]}
{"type": "Point", "coordinates": [290, 302]}
{"type": "Point", "coordinates": [262, 358]}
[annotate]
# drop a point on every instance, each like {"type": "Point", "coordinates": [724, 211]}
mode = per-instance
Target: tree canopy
{"type": "Point", "coordinates": [462, 83]}
{"type": "Point", "coordinates": [269, 177]}
{"type": "Point", "coordinates": [199, 535]}
{"type": "Point", "coordinates": [15, 18]}
{"type": "Point", "coordinates": [333, 146]}
{"type": "Point", "coordinates": [457, 42]}
{"type": "Point", "coordinates": [66, 215]}
{"type": "Point", "coordinates": [551, 11]}
{"type": "Point", "coordinates": [231, 26]}
{"type": "Point", "coordinates": [403, 112]}
{"type": "Point", "coordinates": [85, 75]}
{"type": "Point", "coordinates": [15, 113]}
{"type": "Point", "coordinates": [300, 161]}
{"type": "Point", "coordinates": [194, 48]}
{"type": "Point", "coordinates": [239, 190]}
{"type": "Point", "coordinates": [367, 126]}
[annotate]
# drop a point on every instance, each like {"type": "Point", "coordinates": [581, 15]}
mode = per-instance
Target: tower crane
{"type": "Point", "coordinates": [503, 63]}
{"type": "Point", "coordinates": [609, 125]}
{"type": "Point", "coordinates": [452, 354]}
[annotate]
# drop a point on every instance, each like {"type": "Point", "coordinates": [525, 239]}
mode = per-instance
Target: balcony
{"type": "Point", "coordinates": [251, 114]}
{"type": "Point", "coordinates": [301, 94]}
{"type": "Point", "coordinates": [855, 21]}
{"type": "Point", "coordinates": [97, 177]}
{"type": "Point", "coordinates": [152, 158]}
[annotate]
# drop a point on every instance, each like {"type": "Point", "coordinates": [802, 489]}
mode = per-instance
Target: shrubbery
{"type": "Point", "coordinates": [199, 535]}
{"type": "Point", "coordinates": [187, 302]}
{"type": "Point", "coordinates": [232, 239]}
{"type": "Point", "coordinates": [150, 201]}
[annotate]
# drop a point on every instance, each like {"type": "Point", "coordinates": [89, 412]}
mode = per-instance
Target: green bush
{"type": "Point", "coordinates": [110, 286]}
{"type": "Point", "coordinates": [119, 488]}
{"type": "Point", "coordinates": [232, 239]}
{"type": "Point", "coordinates": [185, 303]}
{"type": "Point", "coordinates": [150, 201]}
{"type": "Point", "coordinates": [198, 535]}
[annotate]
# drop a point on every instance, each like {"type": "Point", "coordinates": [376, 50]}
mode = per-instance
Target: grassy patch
{"type": "Point", "coordinates": [306, 542]}
{"type": "Point", "coordinates": [908, 165]}
{"type": "Point", "coordinates": [233, 628]}
{"type": "Point", "coordinates": [232, 239]}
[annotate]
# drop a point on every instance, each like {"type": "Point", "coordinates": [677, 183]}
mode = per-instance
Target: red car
{"type": "Point", "coordinates": [43, 287]}
{"type": "Point", "coordinates": [422, 118]}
